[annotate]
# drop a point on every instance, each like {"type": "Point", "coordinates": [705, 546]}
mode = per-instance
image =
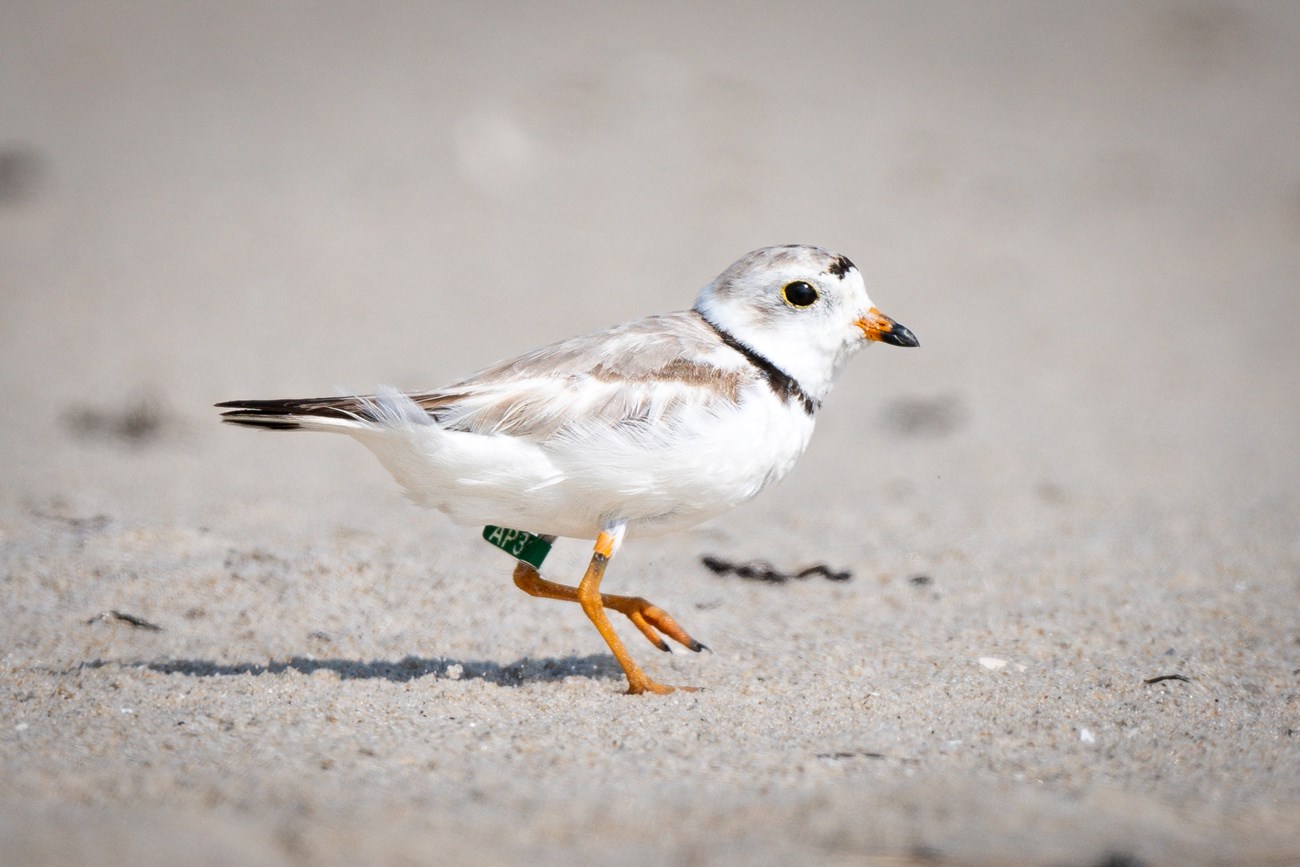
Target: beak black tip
{"type": "Point", "coordinates": [900, 335]}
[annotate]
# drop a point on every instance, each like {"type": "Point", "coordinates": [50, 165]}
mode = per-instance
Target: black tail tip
{"type": "Point", "coordinates": [265, 423]}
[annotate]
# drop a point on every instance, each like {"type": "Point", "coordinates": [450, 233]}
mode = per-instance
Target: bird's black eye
{"type": "Point", "coordinates": [799, 294]}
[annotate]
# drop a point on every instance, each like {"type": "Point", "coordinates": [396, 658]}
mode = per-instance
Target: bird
{"type": "Point", "coordinates": [643, 428]}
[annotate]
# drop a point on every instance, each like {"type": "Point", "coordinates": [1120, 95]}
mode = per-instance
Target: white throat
{"type": "Point", "coordinates": [810, 358]}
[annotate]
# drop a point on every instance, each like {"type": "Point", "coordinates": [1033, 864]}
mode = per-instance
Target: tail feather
{"type": "Point", "coordinates": [325, 413]}
{"type": "Point", "coordinates": [322, 413]}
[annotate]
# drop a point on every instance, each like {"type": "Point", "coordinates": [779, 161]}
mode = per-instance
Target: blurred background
{"type": "Point", "coordinates": [1089, 213]}
{"type": "Point", "coordinates": [1087, 474]}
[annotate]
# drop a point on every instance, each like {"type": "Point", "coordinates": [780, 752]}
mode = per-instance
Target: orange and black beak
{"type": "Point", "coordinates": [877, 326]}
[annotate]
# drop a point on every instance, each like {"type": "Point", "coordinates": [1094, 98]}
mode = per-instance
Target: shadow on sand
{"type": "Point", "coordinates": [517, 673]}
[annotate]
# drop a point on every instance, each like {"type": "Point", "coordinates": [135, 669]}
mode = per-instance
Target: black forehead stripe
{"type": "Point", "coordinates": [783, 385]}
{"type": "Point", "coordinates": [840, 266]}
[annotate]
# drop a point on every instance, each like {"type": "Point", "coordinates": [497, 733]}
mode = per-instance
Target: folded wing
{"type": "Point", "coordinates": [632, 374]}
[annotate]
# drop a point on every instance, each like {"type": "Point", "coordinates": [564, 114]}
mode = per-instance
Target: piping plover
{"type": "Point", "coordinates": [649, 427]}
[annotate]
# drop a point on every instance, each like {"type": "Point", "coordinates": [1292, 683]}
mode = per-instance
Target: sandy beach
{"type": "Point", "coordinates": [1071, 517]}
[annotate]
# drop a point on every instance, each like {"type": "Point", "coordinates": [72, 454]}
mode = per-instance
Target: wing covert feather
{"type": "Point", "coordinates": [633, 373]}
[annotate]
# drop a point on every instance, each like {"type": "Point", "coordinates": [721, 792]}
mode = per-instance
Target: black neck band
{"type": "Point", "coordinates": [783, 385]}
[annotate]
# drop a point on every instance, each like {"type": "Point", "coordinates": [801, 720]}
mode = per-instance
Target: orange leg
{"type": "Point", "coordinates": [645, 616]}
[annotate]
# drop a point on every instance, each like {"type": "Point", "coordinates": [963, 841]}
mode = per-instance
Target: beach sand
{"type": "Point", "coordinates": [1071, 516]}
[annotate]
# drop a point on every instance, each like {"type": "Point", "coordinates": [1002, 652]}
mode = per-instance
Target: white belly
{"type": "Point", "coordinates": [574, 484]}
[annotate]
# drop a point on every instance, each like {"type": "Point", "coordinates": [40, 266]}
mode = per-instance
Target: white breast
{"type": "Point", "coordinates": [659, 478]}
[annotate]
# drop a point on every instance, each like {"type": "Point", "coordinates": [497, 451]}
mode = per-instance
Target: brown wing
{"type": "Point", "coordinates": [632, 373]}
{"type": "Point", "coordinates": [628, 373]}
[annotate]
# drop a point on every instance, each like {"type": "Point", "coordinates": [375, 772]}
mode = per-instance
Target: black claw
{"type": "Point", "coordinates": [663, 645]}
{"type": "Point", "coordinates": [697, 647]}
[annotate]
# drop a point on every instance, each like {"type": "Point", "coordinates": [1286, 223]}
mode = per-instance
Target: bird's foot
{"type": "Point", "coordinates": [643, 684]}
{"type": "Point", "coordinates": [650, 619]}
